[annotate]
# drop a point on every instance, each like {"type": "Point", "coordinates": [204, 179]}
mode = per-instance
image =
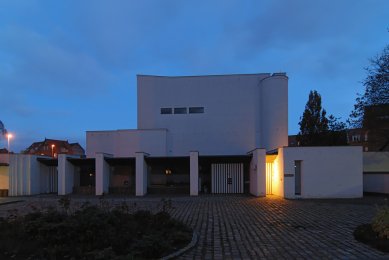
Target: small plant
{"type": "Point", "coordinates": [104, 204]}
{"type": "Point", "coordinates": [33, 207]}
{"type": "Point", "coordinates": [380, 223]}
{"type": "Point", "coordinates": [64, 202]}
{"type": "Point", "coordinates": [123, 207]}
{"type": "Point", "coordinates": [12, 214]}
{"type": "Point", "coordinates": [85, 204]}
{"type": "Point", "coordinates": [166, 204]}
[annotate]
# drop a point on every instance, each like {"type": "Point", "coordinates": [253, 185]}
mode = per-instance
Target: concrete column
{"type": "Point", "coordinates": [140, 174]}
{"type": "Point", "coordinates": [258, 173]}
{"type": "Point", "coordinates": [65, 175]}
{"type": "Point", "coordinates": [194, 173]}
{"type": "Point", "coordinates": [102, 174]}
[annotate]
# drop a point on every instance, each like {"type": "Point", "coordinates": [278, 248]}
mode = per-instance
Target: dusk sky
{"type": "Point", "coordinates": [70, 66]}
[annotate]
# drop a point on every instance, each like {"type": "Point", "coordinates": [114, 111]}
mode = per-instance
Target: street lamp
{"type": "Point", "coordinates": [52, 150]}
{"type": "Point", "coordinates": [9, 136]}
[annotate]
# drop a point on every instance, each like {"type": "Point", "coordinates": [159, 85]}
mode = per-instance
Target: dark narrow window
{"type": "Point", "coordinates": [297, 177]}
{"type": "Point", "coordinates": [166, 110]}
{"type": "Point", "coordinates": [196, 110]}
{"type": "Point", "coordinates": [180, 110]}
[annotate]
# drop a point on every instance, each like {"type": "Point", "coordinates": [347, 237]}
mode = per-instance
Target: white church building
{"type": "Point", "coordinates": [199, 135]}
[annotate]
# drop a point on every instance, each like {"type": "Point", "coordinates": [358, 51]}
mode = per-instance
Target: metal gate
{"type": "Point", "coordinates": [52, 180]}
{"type": "Point", "coordinates": [227, 178]}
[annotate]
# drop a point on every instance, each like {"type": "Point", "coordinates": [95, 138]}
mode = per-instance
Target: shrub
{"type": "Point", "coordinates": [380, 222]}
{"type": "Point", "coordinates": [91, 232]}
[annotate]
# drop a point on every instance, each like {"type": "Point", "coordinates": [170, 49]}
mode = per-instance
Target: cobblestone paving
{"type": "Point", "coordinates": [244, 227]}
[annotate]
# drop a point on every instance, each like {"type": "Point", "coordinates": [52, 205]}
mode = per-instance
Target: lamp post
{"type": "Point", "coordinates": [9, 136]}
{"type": "Point", "coordinates": [52, 150]}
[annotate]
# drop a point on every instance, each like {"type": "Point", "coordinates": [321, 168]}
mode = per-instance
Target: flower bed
{"type": "Point", "coordinates": [91, 232]}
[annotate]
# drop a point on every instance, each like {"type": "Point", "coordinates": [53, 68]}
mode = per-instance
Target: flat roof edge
{"type": "Point", "coordinates": [131, 130]}
{"type": "Point", "coordinates": [215, 75]}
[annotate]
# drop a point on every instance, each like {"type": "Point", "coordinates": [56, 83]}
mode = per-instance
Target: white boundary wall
{"type": "Point", "coordinates": [376, 172]}
{"type": "Point", "coordinates": [326, 172]}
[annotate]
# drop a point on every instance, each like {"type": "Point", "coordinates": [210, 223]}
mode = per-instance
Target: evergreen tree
{"type": "Point", "coordinates": [313, 123]}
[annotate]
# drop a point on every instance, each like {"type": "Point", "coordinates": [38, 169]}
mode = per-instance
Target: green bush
{"type": "Point", "coordinates": [380, 222]}
{"type": "Point", "coordinates": [91, 233]}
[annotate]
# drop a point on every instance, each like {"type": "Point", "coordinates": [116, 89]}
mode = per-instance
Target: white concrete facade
{"type": "Point", "coordinates": [236, 114]}
{"type": "Point", "coordinates": [326, 172]}
{"type": "Point", "coordinates": [126, 143]}
{"type": "Point", "coordinates": [240, 113]}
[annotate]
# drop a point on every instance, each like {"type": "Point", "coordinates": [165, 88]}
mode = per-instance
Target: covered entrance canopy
{"type": "Point", "coordinates": [168, 175]}
{"type": "Point", "coordinates": [48, 161]}
{"type": "Point", "coordinates": [121, 175]}
{"type": "Point", "coordinates": [84, 175]}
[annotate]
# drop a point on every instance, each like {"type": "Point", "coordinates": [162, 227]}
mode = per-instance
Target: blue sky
{"type": "Point", "coordinates": [70, 66]}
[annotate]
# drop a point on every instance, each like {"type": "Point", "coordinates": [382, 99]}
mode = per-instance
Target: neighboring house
{"type": "Point", "coordinates": [292, 141]}
{"type": "Point", "coordinates": [3, 151]}
{"type": "Point", "coordinates": [200, 134]}
{"type": "Point", "coordinates": [374, 134]}
{"type": "Point", "coordinates": [358, 137]}
{"type": "Point", "coordinates": [52, 147]}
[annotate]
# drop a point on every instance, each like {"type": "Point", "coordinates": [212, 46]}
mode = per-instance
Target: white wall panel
{"type": "Point", "coordinates": [326, 172]}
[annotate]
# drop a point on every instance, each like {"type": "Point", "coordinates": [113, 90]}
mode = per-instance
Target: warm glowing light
{"type": "Point", "coordinates": [52, 150]}
{"type": "Point", "coordinates": [9, 136]}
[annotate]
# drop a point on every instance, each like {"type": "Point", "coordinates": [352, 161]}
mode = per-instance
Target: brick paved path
{"type": "Point", "coordinates": [243, 227]}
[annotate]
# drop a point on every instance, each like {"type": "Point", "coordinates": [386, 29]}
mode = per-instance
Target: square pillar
{"type": "Point", "coordinates": [140, 174]}
{"type": "Point", "coordinates": [102, 174]}
{"type": "Point", "coordinates": [258, 173]}
{"type": "Point", "coordinates": [194, 173]}
{"type": "Point", "coordinates": [65, 175]}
